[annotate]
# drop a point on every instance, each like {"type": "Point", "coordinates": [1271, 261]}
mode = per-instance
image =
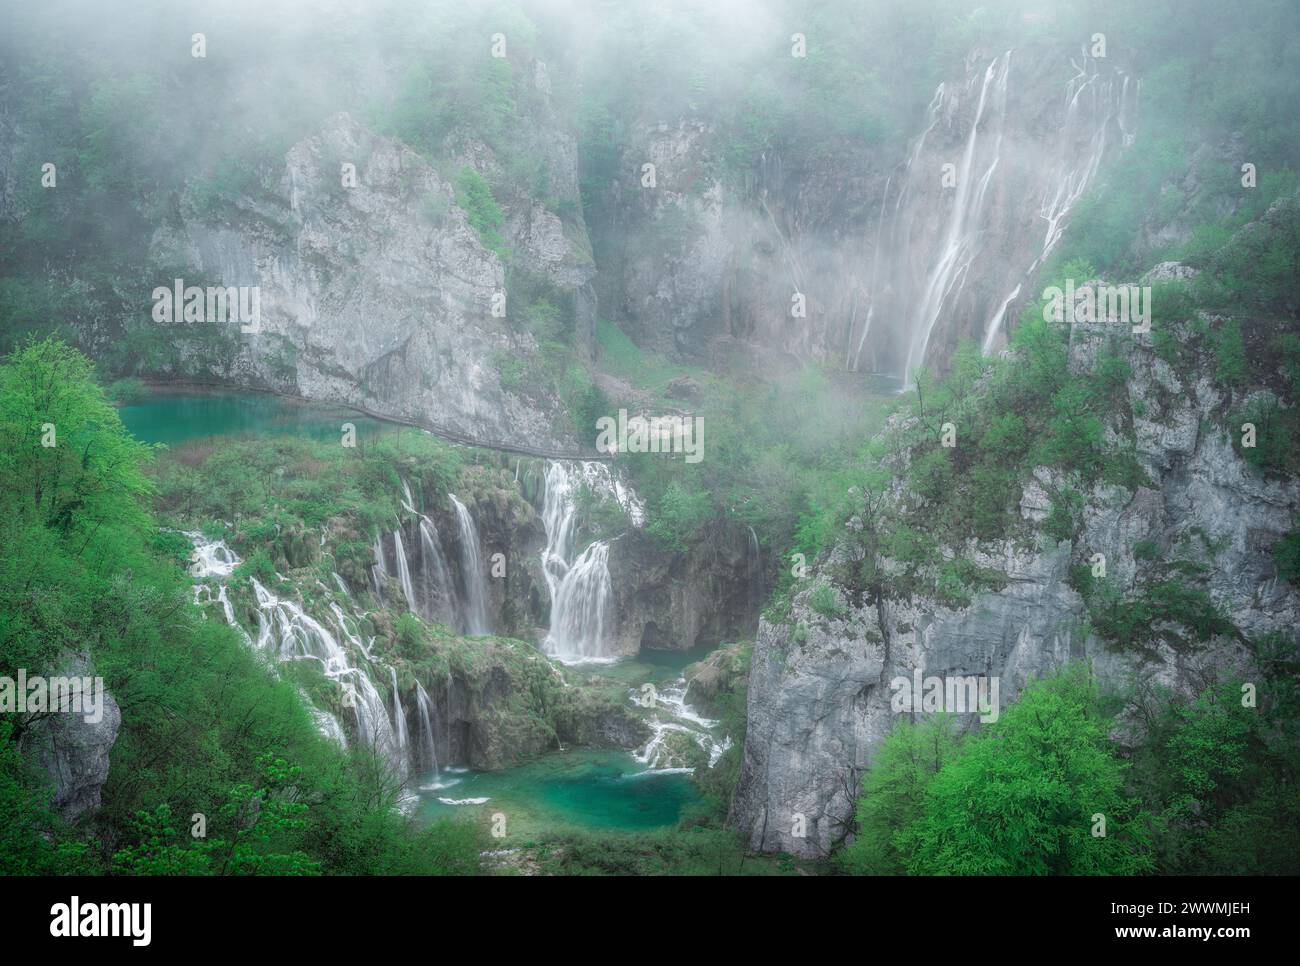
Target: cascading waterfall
{"type": "Point", "coordinates": [928, 250]}
{"type": "Point", "coordinates": [212, 558]}
{"type": "Point", "coordinates": [428, 747]}
{"type": "Point", "coordinates": [436, 573]}
{"type": "Point", "coordinates": [581, 590]}
{"type": "Point", "coordinates": [580, 607]}
{"type": "Point", "coordinates": [1074, 169]}
{"type": "Point", "coordinates": [672, 715]}
{"type": "Point", "coordinates": [401, 736]}
{"type": "Point", "coordinates": [287, 633]}
{"type": "Point", "coordinates": [404, 571]}
{"type": "Point", "coordinates": [962, 229]}
{"type": "Point", "coordinates": [471, 562]}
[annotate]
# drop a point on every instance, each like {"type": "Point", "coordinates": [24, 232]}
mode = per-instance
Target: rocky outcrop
{"type": "Point", "coordinates": [819, 695]}
{"type": "Point", "coordinates": [73, 750]}
{"type": "Point", "coordinates": [502, 702]}
{"type": "Point", "coordinates": [724, 672]}
{"type": "Point", "coordinates": [380, 295]}
{"type": "Point", "coordinates": [707, 594]}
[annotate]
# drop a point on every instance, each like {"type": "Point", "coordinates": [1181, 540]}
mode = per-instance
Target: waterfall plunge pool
{"type": "Point", "coordinates": [581, 788]}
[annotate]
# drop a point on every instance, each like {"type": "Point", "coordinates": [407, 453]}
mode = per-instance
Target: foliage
{"type": "Point", "coordinates": [205, 729]}
{"type": "Point", "coordinates": [1020, 797]}
{"type": "Point", "coordinates": [475, 196]}
{"type": "Point", "coordinates": [894, 794]}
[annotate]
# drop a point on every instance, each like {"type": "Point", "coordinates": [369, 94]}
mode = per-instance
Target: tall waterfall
{"type": "Point", "coordinates": [428, 746]}
{"type": "Point", "coordinates": [436, 575]}
{"type": "Point", "coordinates": [581, 590]}
{"type": "Point", "coordinates": [957, 251]}
{"type": "Point", "coordinates": [580, 607]}
{"type": "Point", "coordinates": [471, 565]}
{"type": "Point", "coordinates": [953, 259]}
{"type": "Point", "coordinates": [404, 571]}
{"type": "Point", "coordinates": [399, 717]}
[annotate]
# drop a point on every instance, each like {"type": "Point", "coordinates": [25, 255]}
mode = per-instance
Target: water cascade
{"type": "Point", "coordinates": [581, 591]}
{"type": "Point", "coordinates": [673, 716]}
{"type": "Point", "coordinates": [399, 718]}
{"type": "Point", "coordinates": [954, 259]}
{"type": "Point", "coordinates": [287, 633]}
{"type": "Point", "coordinates": [404, 571]}
{"type": "Point", "coordinates": [471, 563]}
{"type": "Point", "coordinates": [962, 232]}
{"type": "Point", "coordinates": [436, 573]}
{"type": "Point", "coordinates": [428, 747]}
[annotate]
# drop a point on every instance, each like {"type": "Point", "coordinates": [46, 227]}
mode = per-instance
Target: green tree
{"type": "Point", "coordinates": [1021, 797]}
{"type": "Point", "coordinates": [893, 793]}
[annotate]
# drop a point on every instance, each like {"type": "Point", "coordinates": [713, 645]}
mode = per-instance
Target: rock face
{"type": "Point", "coordinates": [819, 695]}
{"type": "Point", "coordinates": [725, 672]}
{"type": "Point", "coordinates": [502, 702]}
{"type": "Point", "coordinates": [74, 752]}
{"type": "Point", "coordinates": [896, 256]}
{"type": "Point", "coordinates": [381, 295]}
{"type": "Point", "coordinates": [663, 601]}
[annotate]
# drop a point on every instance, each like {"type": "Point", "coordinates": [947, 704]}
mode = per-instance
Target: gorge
{"type": "Point", "coordinates": [395, 563]}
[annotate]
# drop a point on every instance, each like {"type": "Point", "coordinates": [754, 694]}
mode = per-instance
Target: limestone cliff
{"type": "Point", "coordinates": [819, 696]}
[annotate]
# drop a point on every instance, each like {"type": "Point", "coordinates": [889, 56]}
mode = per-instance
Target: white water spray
{"type": "Point", "coordinates": [471, 565]}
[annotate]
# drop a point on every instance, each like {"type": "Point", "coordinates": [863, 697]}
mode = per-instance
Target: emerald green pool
{"type": "Point", "coordinates": [585, 788]}
{"type": "Point", "coordinates": [178, 416]}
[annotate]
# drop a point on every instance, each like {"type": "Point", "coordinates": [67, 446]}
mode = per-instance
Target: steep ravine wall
{"type": "Point", "coordinates": [819, 697]}
{"type": "Point", "coordinates": [897, 257]}
{"type": "Point", "coordinates": [381, 294]}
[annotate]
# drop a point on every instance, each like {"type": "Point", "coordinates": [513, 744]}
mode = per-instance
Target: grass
{"type": "Point", "coordinates": [642, 368]}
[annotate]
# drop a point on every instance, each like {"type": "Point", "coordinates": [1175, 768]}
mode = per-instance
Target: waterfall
{"type": "Point", "coordinates": [428, 747]}
{"type": "Point", "coordinates": [471, 561]}
{"type": "Point", "coordinates": [581, 590]}
{"type": "Point", "coordinates": [399, 718]}
{"type": "Point", "coordinates": [580, 606]}
{"type": "Point", "coordinates": [379, 572]}
{"type": "Point", "coordinates": [287, 633]}
{"type": "Point", "coordinates": [212, 558]}
{"type": "Point", "coordinates": [871, 286]}
{"type": "Point", "coordinates": [995, 323]}
{"type": "Point", "coordinates": [672, 715]}
{"type": "Point", "coordinates": [436, 575]}
{"type": "Point", "coordinates": [962, 229]}
{"type": "Point", "coordinates": [997, 224]}
{"type": "Point", "coordinates": [404, 571]}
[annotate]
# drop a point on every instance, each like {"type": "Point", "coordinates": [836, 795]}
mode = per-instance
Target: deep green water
{"type": "Point", "coordinates": [175, 417]}
{"type": "Point", "coordinates": [587, 788]}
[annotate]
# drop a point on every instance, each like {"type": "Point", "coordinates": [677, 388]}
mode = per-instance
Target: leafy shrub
{"type": "Point", "coordinates": [826, 602]}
